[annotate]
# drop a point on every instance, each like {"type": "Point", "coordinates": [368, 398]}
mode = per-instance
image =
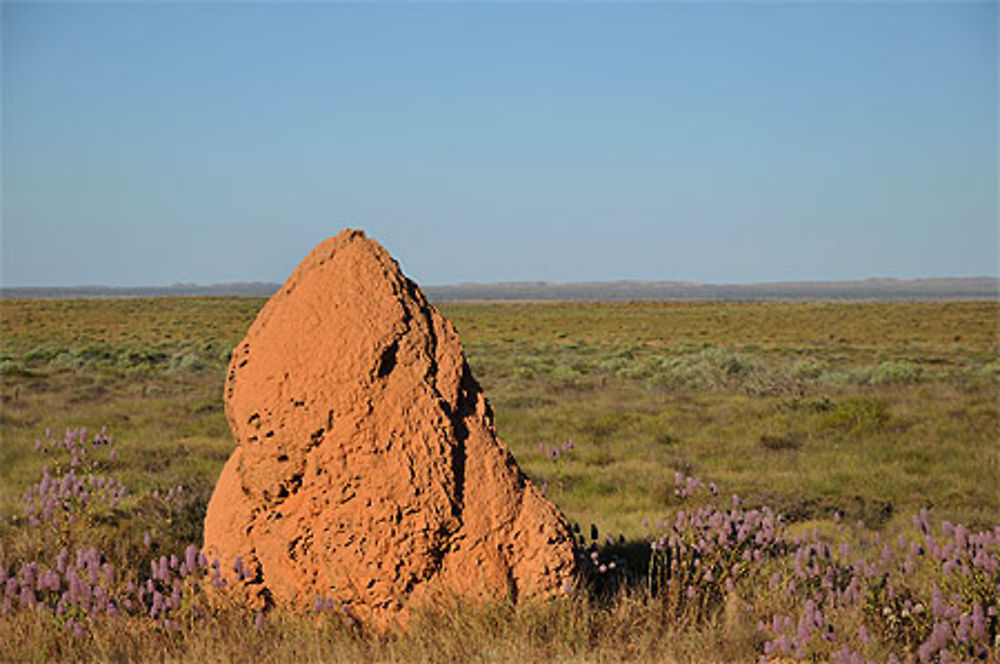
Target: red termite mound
{"type": "Point", "coordinates": [367, 468]}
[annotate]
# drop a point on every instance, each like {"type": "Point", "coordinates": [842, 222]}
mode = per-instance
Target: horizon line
{"type": "Point", "coordinates": [528, 282]}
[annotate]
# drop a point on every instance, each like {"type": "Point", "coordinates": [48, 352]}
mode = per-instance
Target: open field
{"type": "Point", "coordinates": [847, 418]}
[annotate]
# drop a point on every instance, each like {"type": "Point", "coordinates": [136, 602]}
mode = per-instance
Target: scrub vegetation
{"type": "Point", "coordinates": [813, 481]}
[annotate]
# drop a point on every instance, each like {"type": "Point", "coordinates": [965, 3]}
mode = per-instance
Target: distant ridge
{"type": "Point", "coordinates": [249, 289]}
{"type": "Point", "coordinates": [879, 290]}
{"type": "Point", "coordinates": [960, 288]}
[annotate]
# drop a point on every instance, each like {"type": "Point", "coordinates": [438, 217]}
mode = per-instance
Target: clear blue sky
{"type": "Point", "coordinates": [158, 143]}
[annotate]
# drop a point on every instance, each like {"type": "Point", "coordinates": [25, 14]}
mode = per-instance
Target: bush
{"type": "Point", "coordinates": [566, 374]}
{"type": "Point", "coordinates": [640, 369]}
{"type": "Point", "coordinates": [896, 372]}
{"type": "Point", "coordinates": [714, 368]}
{"type": "Point", "coordinates": [693, 371]}
{"type": "Point", "coordinates": [614, 365]}
{"type": "Point", "coordinates": [66, 361]}
{"type": "Point", "coordinates": [625, 352]}
{"type": "Point", "coordinates": [132, 357]}
{"type": "Point", "coordinates": [187, 362]}
{"type": "Point", "coordinates": [40, 355]}
{"type": "Point", "coordinates": [991, 369]}
{"type": "Point", "coordinates": [13, 368]}
{"type": "Point", "coordinates": [524, 372]}
{"type": "Point", "coordinates": [848, 378]}
{"type": "Point", "coordinates": [858, 416]}
{"type": "Point", "coordinates": [94, 352]}
{"type": "Point", "coordinates": [808, 369]}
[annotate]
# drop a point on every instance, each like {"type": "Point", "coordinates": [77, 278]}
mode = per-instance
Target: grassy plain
{"type": "Point", "coordinates": [869, 410]}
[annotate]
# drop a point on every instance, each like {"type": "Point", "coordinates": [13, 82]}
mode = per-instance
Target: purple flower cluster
{"type": "Point", "coordinates": [685, 487]}
{"type": "Point", "coordinates": [553, 452]}
{"type": "Point", "coordinates": [64, 495]}
{"type": "Point", "coordinates": [929, 599]}
{"type": "Point", "coordinates": [83, 586]}
{"type": "Point", "coordinates": [75, 443]}
{"type": "Point", "coordinates": [955, 619]}
{"type": "Point", "coordinates": [78, 586]}
{"type": "Point", "coordinates": [171, 580]}
{"type": "Point", "coordinates": [326, 605]}
{"type": "Point", "coordinates": [696, 560]}
{"type": "Point", "coordinates": [58, 499]}
{"type": "Point", "coordinates": [170, 496]}
{"type": "Point", "coordinates": [811, 625]}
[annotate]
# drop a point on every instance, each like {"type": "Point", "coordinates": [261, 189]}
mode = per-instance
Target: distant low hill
{"type": "Point", "coordinates": [967, 288]}
{"type": "Point", "coordinates": [252, 289]}
{"type": "Point", "coordinates": [886, 290]}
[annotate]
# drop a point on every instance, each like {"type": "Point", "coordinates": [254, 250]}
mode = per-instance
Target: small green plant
{"type": "Point", "coordinates": [566, 374]}
{"type": "Point", "coordinates": [991, 369]}
{"type": "Point", "coordinates": [808, 369]}
{"type": "Point", "coordinates": [13, 368]}
{"type": "Point", "coordinates": [858, 416]}
{"type": "Point", "coordinates": [187, 362]}
{"type": "Point", "coordinates": [896, 372]}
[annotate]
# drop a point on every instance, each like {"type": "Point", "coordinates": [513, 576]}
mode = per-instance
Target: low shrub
{"type": "Point", "coordinates": [566, 374]}
{"type": "Point", "coordinates": [896, 372]}
{"type": "Point", "coordinates": [857, 416]}
{"type": "Point", "coordinates": [991, 369]}
{"type": "Point", "coordinates": [10, 367]}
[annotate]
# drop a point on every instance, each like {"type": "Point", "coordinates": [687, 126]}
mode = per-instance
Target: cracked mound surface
{"type": "Point", "coordinates": [367, 468]}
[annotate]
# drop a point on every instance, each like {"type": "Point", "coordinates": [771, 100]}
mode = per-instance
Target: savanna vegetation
{"type": "Point", "coordinates": [814, 481]}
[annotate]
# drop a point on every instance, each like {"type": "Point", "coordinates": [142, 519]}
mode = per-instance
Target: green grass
{"type": "Point", "coordinates": [870, 410]}
{"type": "Point", "coordinates": [887, 402]}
